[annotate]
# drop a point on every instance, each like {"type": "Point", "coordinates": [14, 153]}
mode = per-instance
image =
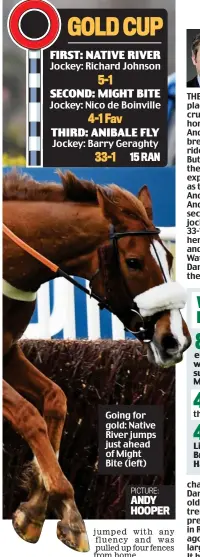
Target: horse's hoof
{"type": "Point", "coordinates": [27, 526]}
{"type": "Point", "coordinates": [73, 537]}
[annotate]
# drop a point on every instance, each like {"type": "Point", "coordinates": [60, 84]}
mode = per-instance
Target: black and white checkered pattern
{"type": "Point", "coordinates": [34, 153]}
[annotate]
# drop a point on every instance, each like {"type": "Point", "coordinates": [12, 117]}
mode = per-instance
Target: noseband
{"type": "Point", "coordinates": [117, 294]}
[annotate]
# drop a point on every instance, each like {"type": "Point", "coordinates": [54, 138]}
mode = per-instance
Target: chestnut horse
{"type": "Point", "coordinates": [70, 224]}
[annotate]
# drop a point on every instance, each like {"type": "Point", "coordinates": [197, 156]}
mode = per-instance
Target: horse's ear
{"type": "Point", "coordinates": [109, 209]}
{"type": "Point", "coordinates": [145, 197]}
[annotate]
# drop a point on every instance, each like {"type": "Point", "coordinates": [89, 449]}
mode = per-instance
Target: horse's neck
{"type": "Point", "coordinates": [66, 233]}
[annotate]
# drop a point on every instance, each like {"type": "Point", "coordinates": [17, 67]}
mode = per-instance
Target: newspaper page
{"type": "Point", "coordinates": [101, 263]}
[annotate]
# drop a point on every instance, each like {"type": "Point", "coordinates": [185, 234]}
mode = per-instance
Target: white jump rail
{"type": "Point", "coordinates": [168, 234]}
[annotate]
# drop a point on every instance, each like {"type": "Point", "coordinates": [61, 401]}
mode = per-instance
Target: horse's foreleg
{"type": "Point", "coordinates": [27, 379]}
{"type": "Point", "coordinates": [50, 399]}
{"type": "Point", "coordinates": [46, 395]}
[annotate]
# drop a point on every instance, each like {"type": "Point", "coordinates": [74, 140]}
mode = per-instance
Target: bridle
{"type": "Point", "coordinates": [117, 294]}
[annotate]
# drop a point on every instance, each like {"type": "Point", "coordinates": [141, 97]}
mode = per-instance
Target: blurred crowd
{"type": "Point", "coordinates": [14, 99]}
{"type": "Point", "coordinates": [14, 91]}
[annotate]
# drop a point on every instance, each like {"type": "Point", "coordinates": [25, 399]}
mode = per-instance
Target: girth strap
{"type": "Point", "coordinates": [16, 294]}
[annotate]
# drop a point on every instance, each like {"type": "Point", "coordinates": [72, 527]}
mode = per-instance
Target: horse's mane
{"type": "Point", "coordinates": [22, 187]}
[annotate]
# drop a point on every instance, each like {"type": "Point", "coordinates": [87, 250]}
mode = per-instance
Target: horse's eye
{"type": "Point", "coordinates": [134, 263]}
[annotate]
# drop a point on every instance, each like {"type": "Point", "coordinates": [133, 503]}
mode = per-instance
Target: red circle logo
{"type": "Point", "coordinates": [14, 24]}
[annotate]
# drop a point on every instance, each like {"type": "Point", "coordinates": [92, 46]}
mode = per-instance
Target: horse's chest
{"type": "Point", "coordinates": [16, 317]}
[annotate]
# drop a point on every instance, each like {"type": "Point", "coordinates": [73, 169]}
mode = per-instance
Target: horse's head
{"type": "Point", "coordinates": [134, 274]}
{"type": "Point", "coordinates": [128, 266]}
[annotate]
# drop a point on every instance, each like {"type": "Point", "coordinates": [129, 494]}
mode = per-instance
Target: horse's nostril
{"type": "Point", "coordinates": [169, 343]}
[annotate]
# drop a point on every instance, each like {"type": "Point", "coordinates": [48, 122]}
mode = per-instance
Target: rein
{"type": "Point", "coordinates": [109, 259]}
{"type": "Point", "coordinates": [52, 266]}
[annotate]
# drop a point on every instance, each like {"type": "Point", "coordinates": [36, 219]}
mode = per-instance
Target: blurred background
{"type": "Point", "coordinates": [14, 90]}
